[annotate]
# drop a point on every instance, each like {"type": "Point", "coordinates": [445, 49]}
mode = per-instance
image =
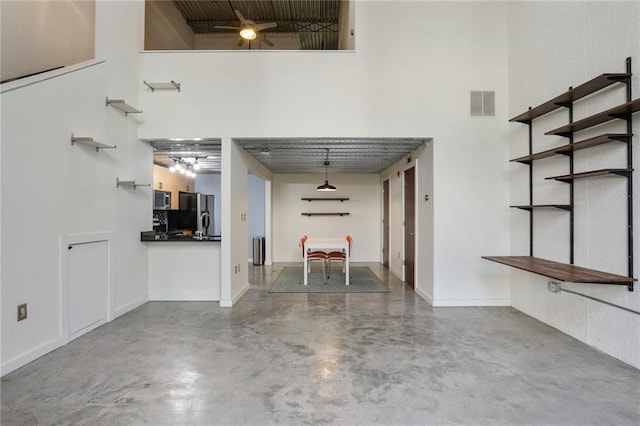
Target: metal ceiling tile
{"type": "Point", "coordinates": [294, 155]}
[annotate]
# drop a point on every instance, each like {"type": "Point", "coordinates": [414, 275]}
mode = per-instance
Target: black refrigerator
{"type": "Point", "coordinates": [201, 207]}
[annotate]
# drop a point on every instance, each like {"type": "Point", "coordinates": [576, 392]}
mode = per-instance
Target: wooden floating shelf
{"type": "Point", "coordinates": [90, 142]}
{"type": "Point", "coordinates": [561, 271]}
{"type": "Point", "coordinates": [122, 106]}
{"type": "Point", "coordinates": [172, 85]}
{"type": "Point", "coordinates": [325, 199]}
{"type": "Point", "coordinates": [572, 95]}
{"type": "Point", "coordinates": [326, 214]}
{"type": "Point", "coordinates": [576, 146]}
{"type": "Point", "coordinates": [620, 112]}
{"type": "Point", "coordinates": [594, 173]}
{"type": "Point", "coordinates": [543, 206]}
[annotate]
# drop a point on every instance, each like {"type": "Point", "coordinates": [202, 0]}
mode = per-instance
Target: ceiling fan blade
{"type": "Point", "coordinates": [240, 17]}
{"type": "Point", "coordinates": [267, 42]}
{"type": "Point", "coordinates": [240, 42]}
{"type": "Point", "coordinates": [264, 26]}
{"type": "Point", "coordinates": [224, 27]}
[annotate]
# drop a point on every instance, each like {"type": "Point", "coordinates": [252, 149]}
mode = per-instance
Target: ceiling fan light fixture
{"type": "Point", "coordinates": [248, 34]}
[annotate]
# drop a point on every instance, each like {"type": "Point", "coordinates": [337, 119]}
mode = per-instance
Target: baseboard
{"type": "Point", "coordinates": [54, 344]}
{"type": "Point", "coordinates": [128, 308]}
{"type": "Point", "coordinates": [210, 297]}
{"type": "Point", "coordinates": [226, 303]}
{"type": "Point", "coordinates": [424, 295]}
{"type": "Point", "coordinates": [470, 302]}
{"type": "Point", "coordinates": [398, 274]}
{"type": "Point", "coordinates": [25, 359]}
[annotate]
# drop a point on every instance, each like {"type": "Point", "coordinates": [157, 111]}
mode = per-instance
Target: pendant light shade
{"type": "Point", "coordinates": [326, 186]}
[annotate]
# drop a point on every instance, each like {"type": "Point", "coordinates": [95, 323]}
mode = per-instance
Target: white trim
{"type": "Point", "coordinates": [30, 356]}
{"type": "Point", "coordinates": [128, 308]}
{"type": "Point", "coordinates": [87, 329]}
{"type": "Point", "coordinates": [229, 303]}
{"type": "Point", "coordinates": [209, 297]}
{"type": "Point", "coordinates": [65, 241]}
{"type": "Point", "coordinates": [424, 295]}
{"type": "Point", "coordinates": [398, 274]}
{"type": "Point", "coordinates": [47, 75]}
{"type": "Point", "coordinates": [470, 302]}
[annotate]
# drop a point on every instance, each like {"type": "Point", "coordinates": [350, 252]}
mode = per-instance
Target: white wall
{"type": "Point", "coordinates": [579, 41]}
{"type": "Point", "coordinates": [184, 271]}
{"type": "Point", "coordinates": [230, 42]}
{"type": "Point", "coordinates": [422, 162]}
{"type": "Point", "coordinates": [51, 189]}
{"type": "Point", "coordinates": [256, 210]}
{"type": "Point", "coordinates": [235, 228]}
{"type": "Point", "coordinates": [58, 33]}
{"type": "Point", "coordinates": [362, 223]}
{"type": "Point", "coordinates": [387, 88]}
{"type": "Point", "coordinates": [165, 27]}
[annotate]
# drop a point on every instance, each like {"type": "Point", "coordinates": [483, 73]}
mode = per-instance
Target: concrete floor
{"type": "Point", "coordinates": [336, 359]}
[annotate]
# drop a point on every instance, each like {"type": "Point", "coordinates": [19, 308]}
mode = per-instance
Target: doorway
{"type": "Point", "coordinates": [409, 227]}
{"type": "Point", "coordinates": [385, 223]}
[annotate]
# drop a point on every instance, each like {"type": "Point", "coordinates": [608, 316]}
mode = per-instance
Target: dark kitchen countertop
{"type": "Point", "coordinates": [152, 237]}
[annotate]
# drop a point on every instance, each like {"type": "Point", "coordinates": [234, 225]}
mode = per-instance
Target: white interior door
{"type": "Point", "coordinates": [88, 286]}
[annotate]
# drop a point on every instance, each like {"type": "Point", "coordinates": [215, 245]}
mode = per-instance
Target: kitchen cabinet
{"type": "Point", "coordinates": [165, 180]}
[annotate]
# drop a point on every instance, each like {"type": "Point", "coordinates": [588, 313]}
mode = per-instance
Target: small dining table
{"type": "Point", "coordinates": [327, 244]}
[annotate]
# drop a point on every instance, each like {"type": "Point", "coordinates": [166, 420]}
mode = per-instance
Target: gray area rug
{"type": "Point", "coordinates": [361, 280]}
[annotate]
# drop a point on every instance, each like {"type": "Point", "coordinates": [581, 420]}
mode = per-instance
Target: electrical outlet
{"type": "Point", "coordinates": [22, 312]}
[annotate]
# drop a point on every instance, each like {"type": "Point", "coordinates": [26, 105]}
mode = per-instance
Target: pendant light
{"type": "Point", "coordinates": [326, 186]}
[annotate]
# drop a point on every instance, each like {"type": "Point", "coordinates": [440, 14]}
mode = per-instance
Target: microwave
{"type": "Point", "coordinates": [161, 200]}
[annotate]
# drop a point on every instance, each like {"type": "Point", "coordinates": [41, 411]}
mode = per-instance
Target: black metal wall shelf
{"type": "Point", "coordinates": [571, 95]}
{"type": "Point", "coordinates": [593, 173]}
{"type": "Point", "coordinates": [543, 206]}
{"type": "Point", "coordinates": [324, 199]}
{"type": "Point", "coordinates": [576, 146]}
{"type": "Point", "coordinates": [625, 111]}
{"type": "Point", "coordinates": [622, 112]}
{"type": "Point", "coordinates": [562, 271]}
{"type": "Point", "coordinates": [327, 214]}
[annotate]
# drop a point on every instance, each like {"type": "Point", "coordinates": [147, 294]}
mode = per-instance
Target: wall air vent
{"type": "Point", "coordinates": [483, 103]}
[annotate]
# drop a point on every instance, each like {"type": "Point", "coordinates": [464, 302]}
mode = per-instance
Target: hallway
{"type": "Point", "coordinates": [338, 359]}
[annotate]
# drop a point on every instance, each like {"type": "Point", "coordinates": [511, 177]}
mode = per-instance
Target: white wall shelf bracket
{"type": "Point", "coordinates": [85, 140]}
{"type": "Point", "coordinates": [129, 183]}
{"type": "Point", "coordinates": [122, 106]}
{"type": "Point", "coordinates": [172, 85]}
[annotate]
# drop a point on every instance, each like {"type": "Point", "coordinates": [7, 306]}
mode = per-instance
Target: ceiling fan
{"type": "Point", "coordinates": [249, 29]}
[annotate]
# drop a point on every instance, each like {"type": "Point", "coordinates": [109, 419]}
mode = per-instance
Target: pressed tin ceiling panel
{"type": "Point", "coordinates": [294, 155]}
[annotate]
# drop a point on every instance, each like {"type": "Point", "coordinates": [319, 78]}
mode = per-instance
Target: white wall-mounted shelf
{"type": "Point", "coordinates": [122, 106]}
{"type": "Point", "coordinates": [85, 140]}
{"type": "Point", "coordinates": [172, 85]}
{"type": "Point", "coordinates": [129, 183]}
